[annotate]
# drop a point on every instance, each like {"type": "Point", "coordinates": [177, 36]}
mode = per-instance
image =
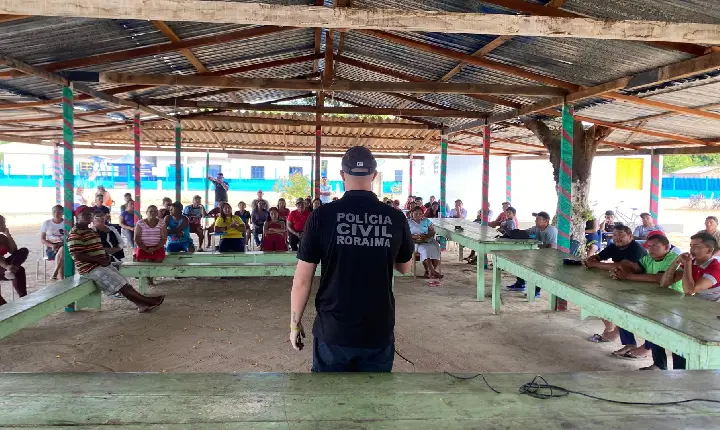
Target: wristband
{"type": "Point", "coordinates": [294, 328]}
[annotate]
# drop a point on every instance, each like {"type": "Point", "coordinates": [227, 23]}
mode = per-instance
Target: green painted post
{"type": "Point", "coordinates": [68, 174]}
{"type": "Point", "coordinates": [178, 164]}
{"type": "Point", "coordinates": [565, 182]}
{"type": "Point", "coordinates": [207, 181]}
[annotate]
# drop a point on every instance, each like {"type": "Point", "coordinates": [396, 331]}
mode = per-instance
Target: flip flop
{"type": "Point", "coordinates": [618, 353]}
{"type": "Point", "coordinates": [150, 309]}
{"type": "Point", "coordinates": [434, 283]}
{"type": "Point", "coordinates": [631, 356]}
{"type": "Point", "coordinates": [598, 338]}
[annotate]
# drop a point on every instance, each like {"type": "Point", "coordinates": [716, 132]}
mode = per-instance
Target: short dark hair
{"type": "Point", "coordinates": [416, 208]}
{"type": "Point", "coordinates": [659, 238]}
{"type": "Point", "coordinates": [707, 239]}
{"type": "Point", "coordinates": [178, 205]}
{"type": "Point", "coordinates": [609, 213]}
{"type": "Point", "coordinates": [511, 209]}
{"type": "Point", "coordinates": [712, 217]}
{"type": "Point", "coordinates": [127, 194]}
{"type": "Point", "coordinates": [644, 214]}
{"type": "Point", "coordinates": [58, 206]}
{"type": "Point", "coordinates": [167, 199]}
{"type": "Point", "coordinates": [623, 228]}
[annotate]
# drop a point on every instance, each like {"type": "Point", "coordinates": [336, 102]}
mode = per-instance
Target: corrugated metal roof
{"type": "Point", "coordinates": [701, 11]}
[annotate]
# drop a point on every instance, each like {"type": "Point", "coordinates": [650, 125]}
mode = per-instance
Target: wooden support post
{"type": "Point", "coordinates": [207, 181]}
{"type": "Point", "coordinates": [508, 180]}
{"type": "Point", "coordinates": [655, 169]}
{"type": "Point", "coordinates": [565, 189]}
{"type": "Point", "coordinates": [320, 102]}
{"type": "Point", "coordinates": [486, 175]}
{"type": "Point", "coordinates": [178, 165]}
{"type": "Point", "coordinates": [410, 176]}
{"type": "Point", "coordinates": [57, 174]}
{"type": "Point", "coordinates": [443, 179]}
{"type": "Point", "coordinates": [136, 175]}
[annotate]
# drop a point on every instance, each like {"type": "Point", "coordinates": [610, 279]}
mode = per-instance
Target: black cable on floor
{"type": "Point", "coordinates": [403, 357]}
{"type": "Point", "coordinates": [466, 378]}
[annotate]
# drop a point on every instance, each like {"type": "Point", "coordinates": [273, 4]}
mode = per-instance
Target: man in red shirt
{"type": "Point", "coordinates": [502, 217]}
{"type": "Point", "coordinates": [296, 223]}
{"type": "Point", "coordinates": [700, 275]}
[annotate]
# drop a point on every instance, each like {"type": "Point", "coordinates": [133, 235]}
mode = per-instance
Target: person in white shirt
{"type": "Point", "coordinates": [325, 191]}
{"type": "Point", "coordinates": [458, 211]}
{"type": "Point", "coordinates": [52, 234]}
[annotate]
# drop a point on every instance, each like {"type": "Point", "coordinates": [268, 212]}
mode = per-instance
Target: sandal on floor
{"type": "Point", "coordinates": [598, 338]}
{"type": "Point", "coordinates": [434, 283]}
{"type": "Point", "coordinates": [618, 353]}
{"type": "Point", "coordinates": [632, 356]}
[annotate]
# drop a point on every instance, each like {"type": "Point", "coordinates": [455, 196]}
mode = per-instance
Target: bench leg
{"type": "Point", "coordinates": [92, 300]}
{"type": "Point", "coordinates": [530, 290]}
{"type": "Point", "coordinates": [143, 285]}
{"type": "Point", "coordinates": [496, 288]}
{"type": "Point", "coordinates": [552, 300]}
{"type": "Point", "coordinates": [461, 251]}
{"type": "Point", "coordinates": [480, 275]}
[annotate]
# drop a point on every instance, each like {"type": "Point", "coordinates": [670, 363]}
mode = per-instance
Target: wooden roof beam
{"type": "Point", "coordinates": [300, 123]}
{"type": "Point", "coordinates": [60, 80]}
{"type": "Point", "coordinates": [304, 85]}
{"type": "Point", "coordinates": [186, 52]}
{"type": "Point", "coordinates": [383, 19]}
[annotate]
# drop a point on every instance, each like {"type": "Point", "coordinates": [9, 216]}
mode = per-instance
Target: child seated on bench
{"type": "Point", "coordinates": [93, 262]}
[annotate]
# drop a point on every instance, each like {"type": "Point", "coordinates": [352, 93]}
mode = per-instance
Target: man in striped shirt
{"type": "Point", "coordinates": [92, 262]}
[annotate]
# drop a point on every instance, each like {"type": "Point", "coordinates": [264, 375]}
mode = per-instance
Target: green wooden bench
{"type": "Point", "coordinates": [686, 325]}
{"type": "Point", "coordinates": [233, 257]}
{"type": "Point", "coordinates": [482, 239]}
{"type": "Point", "coordinates": [36, 306]}
{"type": "Point", "coordinates": [303, 401]}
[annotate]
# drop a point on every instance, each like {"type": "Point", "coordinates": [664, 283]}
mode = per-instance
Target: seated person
{"type": "Point", "coordinates": [592, 237]}
{"type": "Point", "coordinates": [433, 211]}
{"type": "Point", "coordinates": [150, 237]}
{"type": "Point", "coordinates": [244, 214]}
{"type": "Point", "coordinates": [650, 268]}
{"type": "Point", "coordinates": [500, 217]}
{"type": "Point", "coordinates": [127, 222]}
{"type": "Point", "coordinates": [274, 233]}
{"type": "Point", "coordinates": [419, 201]}
{"type": "Point", "coordinates": [458, 211]}
{"type": "Point", "coordinates": [699, 274]}
{"type": "Point", "coordinates": [282, 209]}
{"type": "Point", "coordinates": [510, 221]}
{"type": "Point", "coordinates": [396, 204]}
{"type": "Point", "coordinates": [233, 228]}
{"type": "Point", "coordinates": [478, 217]}
{"type": "Point", "coordinates": [547, 235]}
{"type": "Point", "coordinates": [607, 226]}
{"type": "Point", "coordinates": [412, 205]}
{"type": "Point", "coordinates": [99, 198]}
{"type": "Point", "coordinates": [673, 249]}
{"type": "Point", "coordinates": [178, 230]}
{"type": "Point", "coordinates": [296, 223]}
{"type": "Point", "coordinates": [93, 262]}
{"type": "Point", "coordinates": [259, 216]}
{"type": "Point", "coordinates": [423, 235]}
{"type": "Point", "coordinates": [711, 227]}
{"type": "Point", "coordinates": [195, 212]}
{"type": "Point", "coordinates": [623, 247]}
{"type": "Point", "coordinates": [11, 261]}
{"type": "Point", "coordinates": [316, 203]}
{"type": "Point", "coordinates": [213, 213]}
{"type": "Point", "coordinates": [410, 199]}
{"type": "Point", "coordinates": [109, 237]}
{"type": "Point", "coordinates": [166, 207]}
{"type": "Point", "coordinates": [648, 225]}
{"type": "Point", "coordinates": [52, 234]}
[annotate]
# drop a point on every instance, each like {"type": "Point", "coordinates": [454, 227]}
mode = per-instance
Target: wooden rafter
{"type": "Point", "coordinates": [186, 52]}
{"type": "Point", "coordinates": [383, 19]}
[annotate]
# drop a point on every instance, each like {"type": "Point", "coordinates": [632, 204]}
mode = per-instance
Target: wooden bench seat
{"type": "Point", "coordinates": [686, 325]}
{"type": "Point", "coordinates": [237, 257]}
{"type": "Point", "coordinates": [35, 306]}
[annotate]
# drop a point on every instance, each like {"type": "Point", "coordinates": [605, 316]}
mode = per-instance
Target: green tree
{"type": "Point", "coordinates": [292, 187]}
{"type": "Point", "coordinates": [673, 163]}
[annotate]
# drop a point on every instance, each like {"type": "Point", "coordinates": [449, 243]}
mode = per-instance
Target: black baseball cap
{"type": "Point", "coordinates": [542, 214]}
{"type": "Point", "coordinates": [358, 161]}
{"type": "Point", "coordinates": [609, 213]}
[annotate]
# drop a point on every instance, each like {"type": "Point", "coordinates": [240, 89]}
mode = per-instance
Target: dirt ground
{"type": "Point", "coordinates": [241, 325]}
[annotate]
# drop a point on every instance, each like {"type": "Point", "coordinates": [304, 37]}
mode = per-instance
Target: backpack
{"type": "Point", "coordinates": [516, 234]}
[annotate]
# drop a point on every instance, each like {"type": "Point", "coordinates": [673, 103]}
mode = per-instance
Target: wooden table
{"type": "Point", "coordinates": [482, 239]}
{"type": "Point", "coordinates": [684, 324]}
{"type": "Point", "coordinates": [351, 401]}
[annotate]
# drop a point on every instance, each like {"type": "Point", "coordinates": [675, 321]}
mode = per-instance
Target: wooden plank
{"type": "Point", "coordinates": [661, 105]}
{"type": "Point", "coordinates": [300, 122]}
{"type": "Point", "coordinates": [235, 257]}
{"type": "Point", "coordinates": [360, 400]}
{"type": "Point", "coordinates": [450, 113]}
{"type": "Point", "coordinates": [212, 269]}
{"type": "Point", "coordinates": [187, 53]}
{"type": "Point", "coordinates": [338, 85]}
{"type": "Point", "coordinates": [36, 306]}
{"type": "Point", "coordinates": [382, 19]}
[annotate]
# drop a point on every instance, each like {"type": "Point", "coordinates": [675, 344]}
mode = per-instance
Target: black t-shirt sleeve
{"type": "Point", "coordinates": [310, 249]}
{"type": "Point", "coordinates": [406, 246]}
{"type": "Point", "coordinates": [637, 252]}
{"type": "Point", "coordinates": [607, 252]}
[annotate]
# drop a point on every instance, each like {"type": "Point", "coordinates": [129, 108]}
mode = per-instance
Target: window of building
{"type": "Point", "coordinates": [257, 172]}
{"type": "Point", "coordinates": [85, 167]}
{"type": "Point", "coordinates": [398, 176]}
{"type": "Point", "coordinates": [295, 169]}
{"type": "Point", "coordinates": [436, 165]}
{"type": "Point", "coordinates": [629, 174]}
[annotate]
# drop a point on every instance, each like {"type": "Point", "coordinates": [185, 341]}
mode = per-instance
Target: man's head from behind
{"type": "Point", "coordinates": [703, 246]}
{"type": "Point", "coordinates": [622, 235]}
{"type": "Point", "coordinates": [358, 169]}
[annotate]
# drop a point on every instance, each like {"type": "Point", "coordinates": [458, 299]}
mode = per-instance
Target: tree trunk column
{"type": "Point", "coordinates": [486, 175]}
{"type": "Point", "coordinates": [68, 175]}
{"type": "Point", "coordinates": [655, 169]}
{"type": "Point", "coordinates": [136, 175]}
{"type": "Point", "coordinates": [508, 180]}
{"type": "Point", "coordinates": [178, 166]}
{"type": "Point", "coordinates": [410, 184]}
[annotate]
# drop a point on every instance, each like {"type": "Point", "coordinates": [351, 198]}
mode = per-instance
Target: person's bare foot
{"type": "Point", "coordinates": [145, 309]}
{"type": "Point", "coordinates": [639, 352]}
{"type": "Point", "coordinates": [651, 367]}
{"type": "Point", "coordinates": [611, 335]}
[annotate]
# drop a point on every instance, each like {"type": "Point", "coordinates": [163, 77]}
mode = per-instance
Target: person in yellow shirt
{"type": "Point", "coordinates": [233, 227]}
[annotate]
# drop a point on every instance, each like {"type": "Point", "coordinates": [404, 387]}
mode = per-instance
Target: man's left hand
{"type": "Point", "coordinates": [297, 334]}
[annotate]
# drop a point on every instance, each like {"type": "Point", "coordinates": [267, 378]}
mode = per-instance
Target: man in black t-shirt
{"type": "Point", "coordinates": [359, 241]}
{"type": "Point", "coordinates": [221, 188]}
{"type": "Point", "coordinates": [624, 247]}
